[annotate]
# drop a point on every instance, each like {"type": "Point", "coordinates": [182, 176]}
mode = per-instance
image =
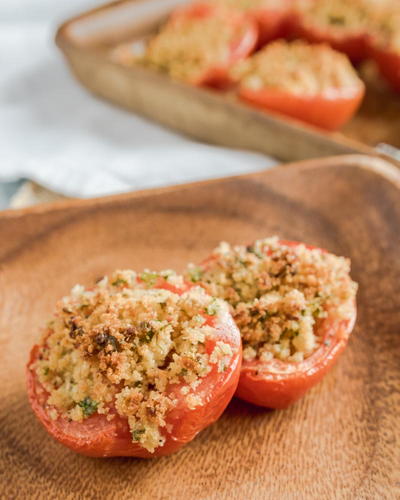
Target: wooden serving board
{"type": "Point", "coordinates": [92, 41]}
{"type": "Point", "coordinates": [340, 441]}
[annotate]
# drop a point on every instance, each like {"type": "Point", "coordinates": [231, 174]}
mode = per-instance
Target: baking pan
{"type": "Point", "coordinates": [90, 41]}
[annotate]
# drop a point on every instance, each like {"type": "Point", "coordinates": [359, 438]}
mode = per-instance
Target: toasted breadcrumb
{"type": "Point", "coordinates": [277, 293]}
{"type": "Point", "coordinates": [299, 68]}
{"type": "Point", "coordinates": [122, 343]}
{"type": "Point", "coordinates": [339, 17]}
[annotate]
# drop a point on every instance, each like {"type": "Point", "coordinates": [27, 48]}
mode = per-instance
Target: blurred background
{"type": "Point", "coordinates": [70, 143]}
{"type": "Point", "coordinates": [58, 140]}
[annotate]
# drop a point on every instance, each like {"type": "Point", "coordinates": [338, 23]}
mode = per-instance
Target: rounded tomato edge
{"type": "Point", "coordinates": [98, 437]}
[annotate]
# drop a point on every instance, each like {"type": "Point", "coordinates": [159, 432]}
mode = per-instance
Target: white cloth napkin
{"type": "Point", "coordinates": [53, 132]}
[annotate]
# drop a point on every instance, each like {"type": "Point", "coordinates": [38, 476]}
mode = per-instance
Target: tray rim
{"type": "Point", "coordinates": [379, 166]}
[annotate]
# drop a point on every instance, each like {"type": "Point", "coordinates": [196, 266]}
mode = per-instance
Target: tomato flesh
{"type": "Point", "coordinates": [272, 22]}
{"type": "Point", "coordinates": [388, 63]}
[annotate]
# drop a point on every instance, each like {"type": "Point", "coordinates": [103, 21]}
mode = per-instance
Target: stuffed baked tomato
{"type": "Point", "coordinates": [135, 366]}
{"type": "Point", "coordinates": [295, 308]}
{"type": "Point", "coordinates": [312, 83]}
{"type": "Point", "coordinates": [271, 16]}
{"type": "Point", "coordinates": [343, 24]}
{"type": "Point", "coordinates": [200, 42]}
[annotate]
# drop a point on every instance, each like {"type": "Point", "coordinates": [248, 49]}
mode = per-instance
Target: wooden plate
{"type": "Point", "coordinates": [96, 42]}
{"type": "Point", "coordinates": [340, 441]}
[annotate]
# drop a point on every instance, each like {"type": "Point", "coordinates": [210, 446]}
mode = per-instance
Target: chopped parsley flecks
{"type": "Point", "coordinates": [88, 406]}
{"type": "Point", "coordinates": [149, 278]}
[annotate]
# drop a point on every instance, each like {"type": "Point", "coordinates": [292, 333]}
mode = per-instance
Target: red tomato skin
{"type": "Point", "coordinates": [355, 46]}
{"type": "Point", "coordinates": [218, 76]}
{"type": "Point", "coordinates": [98, 437]}
{"type": "Point", "coordinates": [327, 112]}
{"type": "Point", "coordinates": [261, 386]}
{"type": "Point", "coordinates": [388, 63]}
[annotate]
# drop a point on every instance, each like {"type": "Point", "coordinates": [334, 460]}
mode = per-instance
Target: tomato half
{"type": "Point", "coordinates": [388, 63]}
{"type": "Point", "coordinates": [277, 384]}
{"type": "Point", "coordinates": [98, 437]}
{"type": "Point", "coordinates": [329, 111]}
{"type": "Point", "coordinates": [356, 46]}
{"type": "Point", "coordinates": [242, 45]}
{"type": "Point", "coordinates": [342, 24]}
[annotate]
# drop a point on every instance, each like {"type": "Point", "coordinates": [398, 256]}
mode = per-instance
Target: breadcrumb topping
{"type": "Point", "coordinates": [186, 48]}
{"type": "Point", "coordinates": [251, 4]}
{"type": "Point", "coordinates": [339, 17]}
{"type": "Point", "coordinates": [120, 346]}
{"type": "Point", "coordinates": [277, 293]}
{"type": "Point", "coordinates": [299, 68]}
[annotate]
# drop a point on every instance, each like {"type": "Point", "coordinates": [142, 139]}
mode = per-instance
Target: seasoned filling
{"type": "Point", "coordinates": [340, 17]}
{"type": "Point", "coordinates": [186, 48]}
{"type": "Point", "coordinates": [298, 68]}
{"type": "Point", "coordinates": [251, 4]}
{"type": "Point", "coordinates": [278, 294]}
{"type": "Point", "coordinates": [119, 347]}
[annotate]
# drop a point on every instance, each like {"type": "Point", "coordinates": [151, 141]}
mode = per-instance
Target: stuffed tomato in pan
{"type": "Point", "coordinates": [271, 16]}
{"type": "Point", "coordinates": [343, 24]}
{"type": "Point", "coordinates": [385, 43]}
{"type": "Point", "coordinates": [312, 83]}
{"type": "Point", "coordinates": [135, 366]}
{"type": "Point", "coordinates": [295, 308]}
{"type": "Point", "coordinates": [200, 42]}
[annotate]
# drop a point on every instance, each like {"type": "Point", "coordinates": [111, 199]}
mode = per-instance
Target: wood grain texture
{"type": "Point", "coordinates": [340, 441]}
{"type": "Point", "coordinates": [89, 43]}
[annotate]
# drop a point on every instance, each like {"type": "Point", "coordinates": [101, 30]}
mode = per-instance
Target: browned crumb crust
{"type": "Point", "coordinates": [119, 345]}
{"type": "Point", "coordinates": [277, 293]}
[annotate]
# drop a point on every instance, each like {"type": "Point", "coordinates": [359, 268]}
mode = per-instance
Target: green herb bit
{"type": "Point", "coordinates": [147, 332]}
{"type": "Point", "coordinates": [137, 433]}
{"type": "Point", "coordinates": [337, 20]}
{"type": "Point", "coordinates": [138, 383]}
{"type": "Point", "coordinates": [149, 278]}
{"type": "Point", "coordinates": [195, 274]}
{"type": "Point", "coordinates": [183, 372]}
{"type": "Point", "coordinates": [119, 282]}
{"type": "Point", "coordinates": [146, 338]}
{"type": "Point", "coordinates": [88, 406]}
{"type": "Point", "coordinates": [167, 274]}
{"type": "Point", "coordinates": [46, 370]}
{"type": "Point", "coordinates": [212, 308]}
